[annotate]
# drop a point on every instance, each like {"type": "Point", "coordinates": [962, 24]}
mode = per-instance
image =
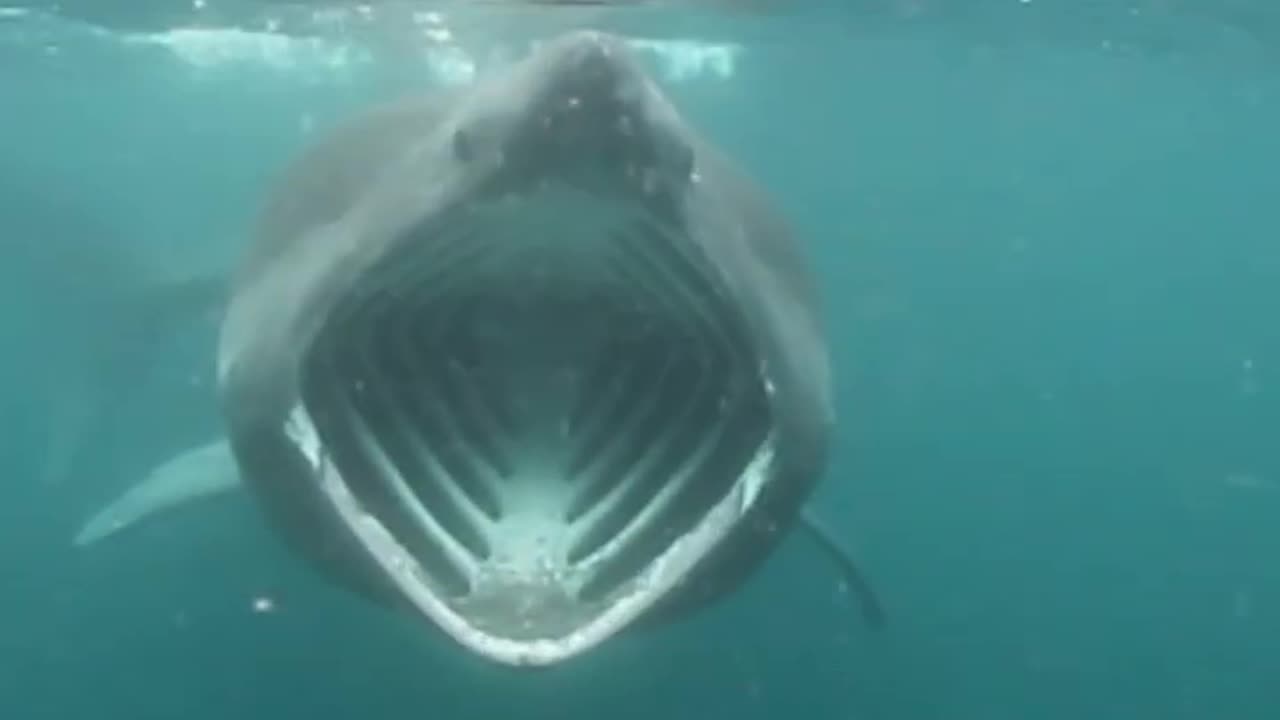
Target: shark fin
{"type": "Point", "coordinates": [198, 473]}
{"type": "Point", "coordinates": [856, 580]}
{"type": "Point", "coordinates": [132, 330]}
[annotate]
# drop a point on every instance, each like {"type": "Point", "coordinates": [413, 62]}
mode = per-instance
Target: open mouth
{"type": "Point", "coordinates": [537, 416]}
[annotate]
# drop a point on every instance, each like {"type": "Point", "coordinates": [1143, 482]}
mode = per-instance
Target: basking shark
{"type": "Point", "coordinates": [529, 359]}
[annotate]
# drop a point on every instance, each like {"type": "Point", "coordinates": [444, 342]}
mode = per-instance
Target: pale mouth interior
{"type": "Point", "coordinates": [537, 417]}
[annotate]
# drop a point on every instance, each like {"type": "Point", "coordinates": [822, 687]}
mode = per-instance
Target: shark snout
{"type": "Point", "coordinates": [596, 72]}
{"type": "Point", "coordinates": [597, 111]}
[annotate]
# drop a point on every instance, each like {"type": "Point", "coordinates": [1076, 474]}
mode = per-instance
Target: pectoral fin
{"type": "Point", "coordinates": [133, 323]}
{"type": "Point", "coordinates": [202, 472]}
{"type": "Point", "coordinates": [859, 585]}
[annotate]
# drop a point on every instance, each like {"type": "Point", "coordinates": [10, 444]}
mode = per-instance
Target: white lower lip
{"type": "Point", "coordinates": [661, 575]}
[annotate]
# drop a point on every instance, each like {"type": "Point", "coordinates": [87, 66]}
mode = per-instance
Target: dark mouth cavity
{"type": "Point", "coordinates": [537, 405]}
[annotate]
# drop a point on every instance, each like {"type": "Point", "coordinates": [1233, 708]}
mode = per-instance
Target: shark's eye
{"type": "Point", "coordinates": [463, 149]}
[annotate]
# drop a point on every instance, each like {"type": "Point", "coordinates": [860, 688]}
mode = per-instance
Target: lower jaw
{"type": "Point", "coordinates": [526, 640]}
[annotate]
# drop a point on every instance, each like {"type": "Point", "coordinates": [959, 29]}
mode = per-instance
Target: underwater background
{"type": "Point", "coordinates": [1048, 234]}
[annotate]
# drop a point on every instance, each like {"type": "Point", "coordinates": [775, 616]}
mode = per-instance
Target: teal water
{"type": "Point", "coordinates": [1048, 239]}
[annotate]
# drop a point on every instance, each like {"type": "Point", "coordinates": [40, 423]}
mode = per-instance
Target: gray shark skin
{"type": "Point", "coordinates": [530, 360]}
